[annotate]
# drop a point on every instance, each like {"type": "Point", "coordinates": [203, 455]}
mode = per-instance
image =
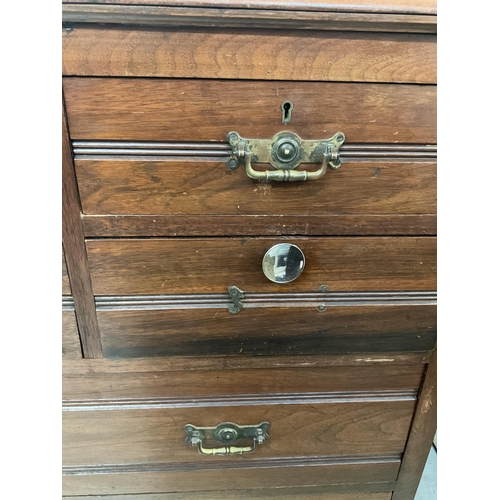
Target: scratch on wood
{"type": "Point", "coordinates": [372, 360]}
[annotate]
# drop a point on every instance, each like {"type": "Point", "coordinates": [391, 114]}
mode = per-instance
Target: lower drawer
{"type": "Point", "coordinates": [337, 423]}
{"type": "Point", "coordinates": [311, 493]}
{"type": "Point", "coordinates": [285, 331]}
{"type": "Point", "coordinates": [344, 475]}
{"type": "Point", "coordinates": [154, 433]}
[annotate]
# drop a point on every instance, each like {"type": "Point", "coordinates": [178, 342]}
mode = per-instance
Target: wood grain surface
{"type": "Point", "coordinates": [422, 432]}
{"type": "Point", "coordinates": [206, 110]}
{"type": "Point", "coordinates": [277, 331]}
{"type": "Point", "coordinates": [151, 436]}
{"type": "Point", "coordinates": [71, 348]}
{"type": "Point", "coordinates": [320, 493]}
{"type": "Point", "coordinates": [250, 54]}
{"type": "Point", "coordinates": [75, 252]}
{"type": "Point", "coordinates": [209, 188]}
{"type": "Point", "coordinates": [66, 288]}
{"type": "Point", "coordinates": [203, 265]}
{"type": "Point", "coordinates": [349, 475]}
{"type": "Point", "coordinates": [241, 225]}
{"type": "Point", "coordinates": [403, 6]}
{"type": "Point", "coordinates": [94, 380]}
{"type": "Point", "coordinates": [224, 17]}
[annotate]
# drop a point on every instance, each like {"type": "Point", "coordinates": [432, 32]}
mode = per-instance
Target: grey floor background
{"type": "Point", "coordinates": [427, 489]}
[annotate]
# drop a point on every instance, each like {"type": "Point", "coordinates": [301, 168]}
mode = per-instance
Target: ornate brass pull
{"type": "Point", "coordinates": [285, 152]}
{"type": "Point", "coordinates": [227, 433]}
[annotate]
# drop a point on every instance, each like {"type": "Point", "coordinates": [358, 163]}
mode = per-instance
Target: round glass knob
{"type": "Point", "coordinates": [283, 263]}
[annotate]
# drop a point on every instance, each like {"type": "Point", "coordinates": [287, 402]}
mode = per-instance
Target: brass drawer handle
{"type": "Point", "coordinates": [227, 433]}
{"type": "Point", "coordinates": [285, 152]}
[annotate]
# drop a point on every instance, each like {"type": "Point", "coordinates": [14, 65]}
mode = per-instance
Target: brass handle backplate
{"type": "Point", "coordinates": [227, 433]}
{"type": "Point", "coordinates": [285, 152]}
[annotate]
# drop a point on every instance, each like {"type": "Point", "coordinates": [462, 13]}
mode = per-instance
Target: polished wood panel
{"type": "Point", "coordinates": [422, 433]}
{"type": "Point", "coordinates": [93, 380]}
{"type": "Point", "coordinates": [402, 6]}
{"type": "Point", "coordinates": [320, 493]}
{"type": "Point", "coordinates": [276, 331]}
{"type": "Point", "coordinates": [157, 435]}
{"type": "Point", "coordinates": [196, 265]}
{"type": "Point", "coordinates": [154, 15]}
{"type": "Point", "coordinates": [250, 54]}
{"type": "Point", "coordinates": [257, 225]}
{"type": "Point", "coordinates": [206, 110]}
{"type": "Point", "coordinates": [75, 252]}
{"type": "Point", "coordinates": [346, 474]}
{"type": "Point", "coordinates": [71, 348]}
{"type": "Point", "coordinates": [198, 188]}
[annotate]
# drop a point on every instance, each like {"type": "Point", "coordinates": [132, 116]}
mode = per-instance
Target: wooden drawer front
{"type": "Point", "coordinates": [134, 109]}
{"type": "Point", "coordinates": [250, 54]}
{"type": "Point", "coordinates": [311, 493]}
{"type": "Point", "coordinates": [123, 430]}
{"type": "Point", "coordinates": [198, 265]}
{"type": "Point", "coordinates": [148, 186]}
{"type": "Point", "coordinates": [273, 331]}
{"type": "Point", "coordinates": [150, 435]}
{"type": "Point", "coordinates": [349, 475]}
{"type": "Point", "coordinates": [90, 382]}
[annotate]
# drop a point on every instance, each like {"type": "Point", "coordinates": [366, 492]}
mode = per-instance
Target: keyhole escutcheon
{"type": "Point", "coordinates": [286, 112]}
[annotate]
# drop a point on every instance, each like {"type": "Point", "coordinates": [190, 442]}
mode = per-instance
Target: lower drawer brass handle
{"type": "Point", "coordinates": [285, 152]}
{"type": "Point", "coordinates": [227, 433]}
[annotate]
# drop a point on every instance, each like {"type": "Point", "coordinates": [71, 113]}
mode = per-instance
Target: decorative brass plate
{"type": "Point", "coordinates": [285, 152]}
{"type": "Point", "coordinates": [227, 433]}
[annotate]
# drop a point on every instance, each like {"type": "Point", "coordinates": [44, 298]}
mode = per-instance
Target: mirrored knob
{"type": "Point", "coordinates": [283, 263]}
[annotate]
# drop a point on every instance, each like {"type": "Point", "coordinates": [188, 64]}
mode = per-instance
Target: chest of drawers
{"type": "Point", "coordinates": [249, 251]}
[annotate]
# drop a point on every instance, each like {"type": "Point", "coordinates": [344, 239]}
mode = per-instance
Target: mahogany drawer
{"type": "Point", "coordinates": [146, 330]}
{"type": "Point", "coordinates": [311, 493]}
{"type": "Point", "coordinates": [129, 160]}
{"type": "Point", "coordinates": [345, 423]}
{"type": "Point", "coordinates": [162, 109]}
{"type": "Point", "coordinates": [209, 265]}
{"type": "Point", "coordinates": [121, 185]}
{"type": "Point", "coordinates": [261, 480]}
{"type": "Point", "coordinates": [146, 434]}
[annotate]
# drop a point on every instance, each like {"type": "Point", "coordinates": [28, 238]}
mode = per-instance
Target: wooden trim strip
{"type": "Point", "coordinates": [422, 431]}
{"type": "Point", "coordinates": [143, 15]}
{"type": "Point", "coordinates": [149, 226]}
{"type": "Point", "coordinates": [264, 300]}
{"type": "Point", "coordinates": [126, 150]}
{"type": "Point", "coordinates": [111, 368]}
{"type": "Point", "coordinates": [255, 463]}
{"type": "Point", "coordinates": [241, 400]}
{"type": "Point", "coordinates": [406, 6]}
{"type": "Point", "coordinates": [367, 491]}
{"type": "Point", "coordinates": [76, 254]}
{"type": "Point", "coordinates": [236, 18]}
